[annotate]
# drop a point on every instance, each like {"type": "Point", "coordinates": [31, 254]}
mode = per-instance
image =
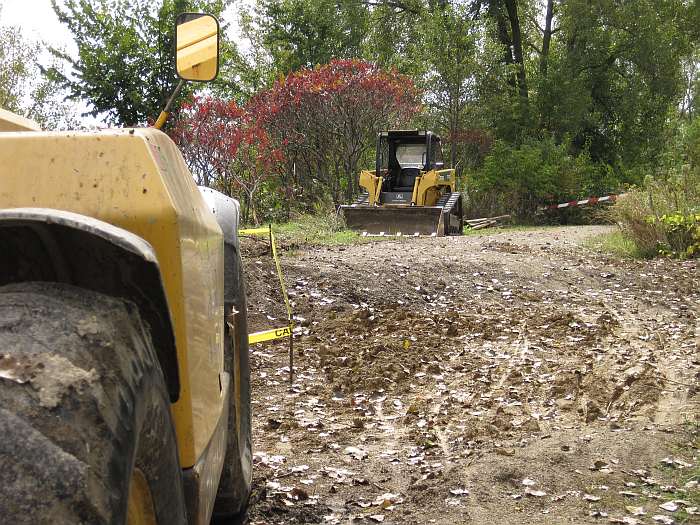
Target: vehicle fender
{"type": "Point", "coordinates": [43, 244]}
{"type": "Point", "coordinates": [226, 211]}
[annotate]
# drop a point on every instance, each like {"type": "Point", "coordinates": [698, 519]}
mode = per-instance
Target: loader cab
{"type": "Point", "coordinates": [403, 155]}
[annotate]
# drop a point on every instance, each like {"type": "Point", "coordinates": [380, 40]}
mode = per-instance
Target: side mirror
{"type": "Point", "coordinates": [197, 47]}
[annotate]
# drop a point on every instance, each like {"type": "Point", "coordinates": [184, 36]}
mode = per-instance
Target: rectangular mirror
{"type": "Point", "coordinates": [197, 47]}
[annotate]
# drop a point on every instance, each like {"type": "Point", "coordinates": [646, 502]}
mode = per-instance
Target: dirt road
{"type": "Point", "coordinates": [512, 378]}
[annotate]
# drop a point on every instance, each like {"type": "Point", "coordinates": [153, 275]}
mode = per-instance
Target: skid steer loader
{"type": "Point", "coordinates": [409, 193]}
{"type": "Point", "coordinates": [124, 373]}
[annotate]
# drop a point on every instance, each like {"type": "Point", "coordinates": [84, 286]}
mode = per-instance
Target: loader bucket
{"type": "Point", "coordinates": [375, 220]}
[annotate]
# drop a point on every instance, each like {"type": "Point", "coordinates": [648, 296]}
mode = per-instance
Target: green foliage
{"type": "Point", "coordinates": [17, 57]}
{"type": "Point", "coordinates": [691, 145]}
{"type": "Point", "coordinates": [124, 67]}
{"type": "Point", "coordinates": [23, 87]}
{"type": "Point", "coordinates": [536, 101]}
{"type": "Point", "coordinates": [615, 72]}
{"type": "Point", "coordinates": [448, 53]}
{"type": "Point", "coordinates": [322, 228]}
{"type": "Point", "coordinates": [395, 36]}
{"type": "Point", "coordinates": [47, 105]}
{"type": "Point", "coordinates": [515, 179]}
{"type": "Point", "coordinates": [682, 234]}
{"type": "Point", "coordinates": [616, 243]}
{"type": "Point", "coordinates": [306, 33]}
{"type": "Point", "coordinates": [664, 217]}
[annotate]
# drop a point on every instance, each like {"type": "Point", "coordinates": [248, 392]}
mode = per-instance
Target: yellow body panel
{"type": "Point", "coordinates": [137, 180]}
{"type": "Point", "coordinates": [198, 60]}
{"type": "Point", "coordinates": [12, 122]}
{"type": "Point", "coordinates": [426, 188]}
{"type": "Point", "coordinates": [372, 184]}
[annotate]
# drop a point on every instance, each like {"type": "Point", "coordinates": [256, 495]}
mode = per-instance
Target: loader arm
{"type": "Point", "coordinates": [424, 193]}
{"type": "Point", "coordinates": [372, 184]}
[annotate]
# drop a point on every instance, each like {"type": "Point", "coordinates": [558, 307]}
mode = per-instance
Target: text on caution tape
{"type": "Point", "coordinates": [269, 335]}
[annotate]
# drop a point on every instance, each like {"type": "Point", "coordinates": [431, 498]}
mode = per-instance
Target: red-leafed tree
{"type": "Point", "coordinates": [304, 137]}
{"type": "Point", "coordinates": [326, 119]}
{"type": "Point", "coordinates": [226, 150]}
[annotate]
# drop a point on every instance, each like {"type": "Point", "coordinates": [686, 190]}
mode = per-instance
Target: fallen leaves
{"type": "Point", "coordinates": [676, 463]}
{"type": "Point", "coordinates": [431, 385]}
{"type": "Point", "coordinates": [635, 511]}
{"type": "Point", "coordinates": [356, 452]}
{"type": "Point", "coordinates": [535, 493]}
{"type": "Point", "coordinates": [625, 520]}
{"type": "Point", "coordinates": [388, 500]}
{"type": "Point", "coordinates": [670, 506]}
{"type": "Point", "coordinates": [298, 494]}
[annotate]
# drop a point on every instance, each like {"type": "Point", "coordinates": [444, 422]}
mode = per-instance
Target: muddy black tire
{"type": "Point", "coordinates": [83, 405]}
{"type": "Point", "coordinates": [237, 475]}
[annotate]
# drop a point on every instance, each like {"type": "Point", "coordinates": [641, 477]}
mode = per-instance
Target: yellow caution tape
{"type": "Point", "coordinates": [275, 333]}
{"type": "Point", "coordinates": [283, 286]}
{"type": "Point", "coordinates": [269, 335]}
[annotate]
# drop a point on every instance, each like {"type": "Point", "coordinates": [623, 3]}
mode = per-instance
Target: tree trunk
{"type": "Point", "coordinates": [503, 35]}
{"type": "Point", "coordinates": [517, 38]}
{"type": "Point", "coordinates": [289, 183]}
{"type": "Point", "coordinates": [251, 205]}
{"type": "Point", "coordinates": [454, 124]}
{"type": "Point", "coordinates": [245, 209]}
{"type": "Point", "coordinates": [351, 167]}
{"type": "Point", "coordinates": [547, 38]}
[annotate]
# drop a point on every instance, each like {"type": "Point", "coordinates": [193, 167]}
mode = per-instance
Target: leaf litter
{"type": "Point", "coordinates": [421, 383]}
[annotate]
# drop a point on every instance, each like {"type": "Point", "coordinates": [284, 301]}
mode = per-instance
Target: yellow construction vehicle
{"type": "Point", "coordinates": [124, 373]}
{"type": "Point", "coordinates": [410, 192]}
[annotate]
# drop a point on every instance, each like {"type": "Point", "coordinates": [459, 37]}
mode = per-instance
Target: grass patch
{"type": "Point", "coordinates": [328, 229]}
{"type": "Point", "coordinates": [317, 230]}
{"type": "Point", "coordinates": [617, 243]}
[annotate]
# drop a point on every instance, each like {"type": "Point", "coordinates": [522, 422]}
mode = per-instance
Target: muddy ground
{"type": "Point", "coordinates": [509, 378]}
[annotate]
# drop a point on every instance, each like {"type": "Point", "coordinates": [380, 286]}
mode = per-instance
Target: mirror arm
{"type": "Point", "coordinates": [166, 111]}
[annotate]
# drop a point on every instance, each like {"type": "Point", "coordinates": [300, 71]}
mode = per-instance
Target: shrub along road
{"type": "Point", "coordinates": [508, 378]}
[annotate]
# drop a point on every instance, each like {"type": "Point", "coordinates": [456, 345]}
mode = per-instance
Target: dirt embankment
{"type": "Point", "coordinates": [502, 379]}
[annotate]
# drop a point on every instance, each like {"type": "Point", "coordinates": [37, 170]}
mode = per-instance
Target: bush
{"type": "Point", "coordinates": [516, 179]}
{"type": "Point", "coordinates": [682, 234]}
{"type": "Point", "coordinates": [519, 179]}
{"type": "Point", "coordinates": [664, 217]}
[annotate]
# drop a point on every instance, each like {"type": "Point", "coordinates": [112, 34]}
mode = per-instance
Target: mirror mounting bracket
{"type": "Point", "coordinates": [166, 111]}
